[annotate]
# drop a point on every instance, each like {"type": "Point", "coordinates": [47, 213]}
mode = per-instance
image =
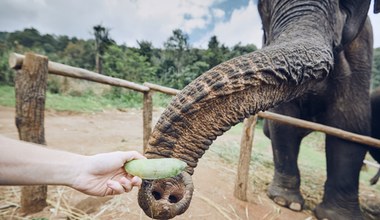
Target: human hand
{"type": "Point", "coordinates": [104, 174]}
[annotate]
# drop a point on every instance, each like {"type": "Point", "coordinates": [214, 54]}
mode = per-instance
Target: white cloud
{"type": "Point", "coordinates": [218, 13]}
{"type": "Point", "coordinates": [375, 20]}
{"type": "Point", "coordinates": [244, 26]}
{"type": "Point", "coordinates": [132, 20]}
{"type": "Point", "coordinates": [129, 20]}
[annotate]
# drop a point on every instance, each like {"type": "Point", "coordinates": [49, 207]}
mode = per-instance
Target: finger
{"type": "Point", "coordinates": [108, 191]}
{"type": "Point", "coordinates": [136, 181]}
{"type": "Point", "coordinates": [126, 184]}
{"type": "Point", "coordinates": [115, 186]}
{"type": "Point", "coordinates": [130, 155]}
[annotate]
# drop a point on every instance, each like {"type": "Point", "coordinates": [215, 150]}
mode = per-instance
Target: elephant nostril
{"type": "Point", "coordinates": [156, 195]}
{"type": "Point", "coordinates": [173, 199]}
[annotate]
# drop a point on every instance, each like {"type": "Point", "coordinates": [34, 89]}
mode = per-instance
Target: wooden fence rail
{"type": "Point", "coordinates": [16, 61]}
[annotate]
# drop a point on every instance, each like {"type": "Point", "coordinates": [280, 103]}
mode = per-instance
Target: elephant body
{"type": "Point", "coordinates": [341, 101]}
{"type": "Point", "coordinates": [315, 64]}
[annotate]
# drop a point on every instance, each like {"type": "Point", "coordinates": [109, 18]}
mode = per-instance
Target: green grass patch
{"type": "Point", "coordinates": [85, 103]}
{"type": "Point", "coordinates": [88, 102]}
{"type": "Point", "coordinates": [7, 96]}
{"type": "Point", "coordinates": [161, 100]}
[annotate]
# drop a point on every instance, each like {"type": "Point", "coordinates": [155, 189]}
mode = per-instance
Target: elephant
{"type": "Point", "coordinates": [316, 56]}
{"type": "Point", "coordinates": [375, 126]}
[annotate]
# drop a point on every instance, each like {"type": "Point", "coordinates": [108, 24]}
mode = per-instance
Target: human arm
{"type": "Point", "coordinates": [23, 163]}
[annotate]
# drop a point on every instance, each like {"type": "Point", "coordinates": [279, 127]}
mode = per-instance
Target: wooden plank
{"type": "Point", "coordinates": [241, 183]}
{"type": "Point", "coordinates": [16, 61]}
{"type": "Point", "coordinates": [147, 118]}
{"type": "Point", "coordinates": [350, 136]}
{"type": "Point", "coordinates": [163, 89]}
{"type": "Point", "coordinates": [30, 86]}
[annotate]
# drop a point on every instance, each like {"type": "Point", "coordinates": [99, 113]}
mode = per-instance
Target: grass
{"type": "Point", "coordinates": [7, 96]}
{"type": "Point", "coordinates": [87, 102]}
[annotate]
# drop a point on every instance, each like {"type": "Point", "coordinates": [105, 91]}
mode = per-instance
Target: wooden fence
{"type": "Point", "coordinates": [30, 86]}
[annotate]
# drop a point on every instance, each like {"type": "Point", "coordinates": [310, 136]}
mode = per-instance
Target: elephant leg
{"type": "Point", "coordinates": [348, 109]}
{"type": "Point", "coordinates": [285, 186]}
{"type": "Point", "coordinates": [344, 161]}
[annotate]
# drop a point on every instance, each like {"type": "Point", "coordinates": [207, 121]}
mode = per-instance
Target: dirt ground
{"type": "Point", "coordinates": [90, 133]}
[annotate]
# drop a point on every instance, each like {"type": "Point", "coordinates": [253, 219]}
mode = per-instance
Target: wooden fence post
{"type": "Point", "coordinates": [241, 184]}
{"type": "Point", "coordinates": [147, 118]}
{"type": "Point", "coordinates": [30, 87]}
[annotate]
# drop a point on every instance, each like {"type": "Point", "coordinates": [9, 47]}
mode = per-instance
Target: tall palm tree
{"type": "Point", "coordinates": [102, 42]}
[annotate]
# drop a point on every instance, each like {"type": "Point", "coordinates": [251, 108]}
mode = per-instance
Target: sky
{"type": "Point", "coordinates": [130, 21]}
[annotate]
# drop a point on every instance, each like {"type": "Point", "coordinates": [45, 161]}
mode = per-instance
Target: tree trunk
{"type": "Point", "coordinates": [98, 63]}
{"type": "Point", "coordinates": [30, 85]}
{"type": "Point", "coordinates": [241, 184]}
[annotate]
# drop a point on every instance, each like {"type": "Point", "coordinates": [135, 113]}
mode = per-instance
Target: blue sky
{"type": "Point", "coordinates": [152, 20]}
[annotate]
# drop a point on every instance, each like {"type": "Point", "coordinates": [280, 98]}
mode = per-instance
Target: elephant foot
{"type": "Point", "coordinates": [286, 197]}
{"type": "Point", "coordinates": [331, 212]}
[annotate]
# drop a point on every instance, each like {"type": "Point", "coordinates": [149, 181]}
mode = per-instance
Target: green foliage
{"type": "Point", "coordinates": [62, 49]}
{"type": "Point", "coordinates": [174, 59]}
{"type": "Point", "coordinates": [376, 68]}
{"type": "Point", "coordinates": [216, 53]}
{"type": "Point", "coordinates": [102, 38]}
{"type": "Point", "coordinates": [146, 49]}
{"type": "Point", "coordinates": [6, 74]}
{"type": "Point", "coordinates": [120, 95]}
{"type": "Point", "coordinates": [239, 50]}
{"type": "Point", "coordinates": [126, 64]}
{"type": "Point", "coordinates": [78, 53]}
{"type": "Point", "coordinates": [161, 100]}
{"type": "Point", "coordinates": [102, 42]}
{"type": "Point", "coordinates": [175, 65]}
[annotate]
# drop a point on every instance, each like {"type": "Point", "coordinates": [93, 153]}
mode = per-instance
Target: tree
{"type": "Point", "coordinates": [146, 49]}
{"type": "Point", "coordinates": [29, 37]}
{"type": "Point", "coordinates": [215, 53]}
{"type": "Point", "coordinates": [127, 64]}
{"type": "Point", "coordinates": [6, 74]}
{"type": "Point", "coordinates": [79, 54]}
{"type": "Point", "coordinates": [176, 47]}
{"type": "Point", "coordinates": [102, 42]}
{"type": "Point", "coordinates": [239, 50]}
{"type": "Point", "coordinates": [178, 41]}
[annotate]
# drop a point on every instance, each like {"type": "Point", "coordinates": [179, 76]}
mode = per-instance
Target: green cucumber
{"type": "Point", "coordinates": [158, 168]}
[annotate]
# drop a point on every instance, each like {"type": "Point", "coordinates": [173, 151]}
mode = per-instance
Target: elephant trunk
{"type": "Point", "coordinates": [232, 91]}
{"type": "Point", "coordinates": [219, 99]}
